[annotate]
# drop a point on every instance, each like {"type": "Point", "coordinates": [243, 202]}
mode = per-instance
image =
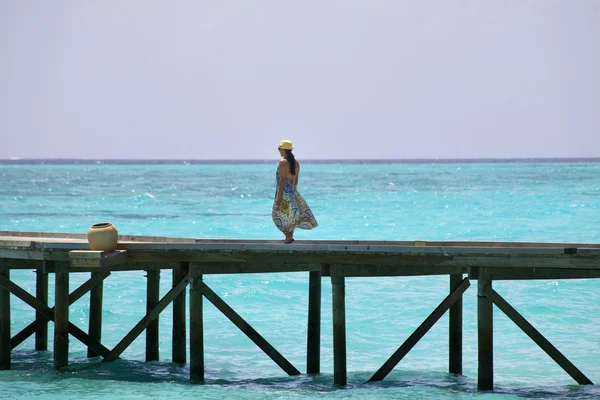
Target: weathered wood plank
{"type": "Point", "coordinates": [414, 338]}
{"type": "Point", "coordinates": [338, 287]}
{"type": "Point", "coordinates": [98, 259]}
{"type": "Point", "coordinates": [384, 253]}
{"type": "Point", "coordinates": [152, 298]}
{"type": "Point", "coordinates": [537, 337]}
{"type": "Point", "coordinates": [47, 236]}
{"type": "Point", "coordinates": [568, 261]}
{"type": "Point", "coordinates": [129, 266]}
{"type": "Point", "coordinates": [313, 345]}
{"type": "Point", "coordinates": [366, 270]}
{"type": "Point", "coordinates": [267, 265]}
{"type": "Point", "coordinates": [179, 348]}
{"type": "Point", "coordinates": [5, 347]}
{"type": "Point", "coordinates": [196, 326]}
{"type": "Point", "coordinates": [144, 322]}
{"type": "Point", "coordinates": [485, 333]}
{"type": "Point", "coordinates": [248, 331]}
{"type": "Point", "coordinates": [522, 273]}
{"type": "Point", "coordinates": [61, 319]}
{"type": "Point", "coordinates": [17, 263]}
{"type": "Point", "coordinates": [21, 254]}
{"type": "Point", "coordinates": [255, 267]}
{"type": "Point", "coordinates": [332, 247]}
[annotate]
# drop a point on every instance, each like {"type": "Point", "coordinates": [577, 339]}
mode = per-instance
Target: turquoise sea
{"type": "Point", "coordinates": [551, 201]}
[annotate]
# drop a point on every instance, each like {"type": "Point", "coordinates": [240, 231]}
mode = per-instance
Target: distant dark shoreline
{"type": "Point", "coordinates": [73, 161]}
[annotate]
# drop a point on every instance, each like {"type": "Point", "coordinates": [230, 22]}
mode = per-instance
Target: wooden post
{"type": "Point", "coordinates": [485, 330]}
{"type": "Point", "coordinates": [456, 328]}
{"type": "Point", "coordinates": [179, 329]}
{"type": "Point", "coordinates": [61, 317]}
{"type": "Point", "coordinates": [95, 319]}
{"type": "Point", "coordinates": [152, 298]}
{"type": "Point", "coordinates": [5, 346]}
{"type": "Point", "coordinates": [313, 347]}
{"type": "Point", "coordinates": [41, 293]}
{"type": "Point", "coordinates": [196, 325]}
{"type": "Point", "coordinates": [339, 325]}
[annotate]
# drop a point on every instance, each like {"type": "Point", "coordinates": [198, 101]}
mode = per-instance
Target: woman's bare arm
{"type": "Point", "coordinates": [283, 171]}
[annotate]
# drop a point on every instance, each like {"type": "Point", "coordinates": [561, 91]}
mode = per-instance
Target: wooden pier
{"type": "Point", "coordinates": [190, 259]}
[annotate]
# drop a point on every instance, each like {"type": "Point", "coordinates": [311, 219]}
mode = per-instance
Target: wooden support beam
{"type": "Point", "coordinates": [414, 338]}
{"type": "Point", "coordinates": [47, 314]}
{"type": "Point", "coordinates": [255, 267]}
{"type": "Point", "coordinates": [144, 322]}
{"type": "Point", "coordinates": [338, 287]}
{"type": "Point", "coordinates": [84, 338]}
{"type": "Point", "coordinates": [485, 333]}
{"type": "Point", "coordinates": [313, 345]}
{"type": "Point", "coordinates": [152, 296]}
{"type": "Point", "coordinates": [249, 331]}
{"type": "Point", "coordinates": [41, 293]}
{"type": "Point", "coordinates": [179, 349]}
{"type": "Point", "coordinates": [5, 347]}
{"type": "Point", "coordinates": [16, 263]}
{"type": "Point", "coordinates": [196, 326]}
{"type": "Point", "coordinates": [518, 273]}
{"type": "Point", "coordinates": [61, 318]}
{"type": "Point", "coordinates": [95, 317]}
{"type": "Point", "coordinates": [364, 270]}
{"type": "Point", "coordinates": [537, 337]}
{"type": "Point", "coordinates": [455, 331]}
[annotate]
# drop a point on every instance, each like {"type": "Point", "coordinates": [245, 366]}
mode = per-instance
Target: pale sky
{"type": "Point", "coordinates": [346, 79]}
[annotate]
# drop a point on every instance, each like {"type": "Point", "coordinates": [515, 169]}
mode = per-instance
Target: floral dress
{"type": "Point", "coordinates": [293, 212]}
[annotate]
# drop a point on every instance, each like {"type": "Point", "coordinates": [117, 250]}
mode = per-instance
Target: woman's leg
{"type": "Point", "coordinates": [289, 236]}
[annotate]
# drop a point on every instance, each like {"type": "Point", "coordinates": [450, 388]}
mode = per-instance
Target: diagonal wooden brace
{"type": "Point", "coordinates": [537, 337]}
{"type": "Point", "coordinates": [248, 330]}
{"type": "Point", "coordinates": [144, 322]}
{"type": "Point", "coordinates": [48, 313]}
{"type": "Point", "coordinates": [413, 339]}
{"type": "Point", "coordinates": [73, 297]}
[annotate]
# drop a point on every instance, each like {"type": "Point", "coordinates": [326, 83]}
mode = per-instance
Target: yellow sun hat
{"type": "Point", "coordinates": [286, 145]}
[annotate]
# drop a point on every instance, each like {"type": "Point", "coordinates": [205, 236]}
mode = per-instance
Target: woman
{"type": "Point", "coordinates": [290, 211]}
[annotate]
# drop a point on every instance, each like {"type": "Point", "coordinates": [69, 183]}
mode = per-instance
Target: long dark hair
{"type": "Point", "coordinates": [292, 160]}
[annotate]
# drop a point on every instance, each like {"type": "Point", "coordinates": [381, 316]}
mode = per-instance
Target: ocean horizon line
{"type": "Point", "coordinates": [117, 161]}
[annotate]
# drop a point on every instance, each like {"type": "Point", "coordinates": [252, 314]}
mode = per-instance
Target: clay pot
{"type": "Point", "coordinates": [103, 236]}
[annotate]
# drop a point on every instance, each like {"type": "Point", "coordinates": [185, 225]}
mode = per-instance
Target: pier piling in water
{"type": "Point", "coordinates": [152, 297]}
{"type": "Point", "coordinates": [95, 318]}
{"type": "Point", "coordinates": [313, 341]}
{"type": "Point", "coordinates": [61, 317]}
{"type": "Point", "coordinates": [338, 301]}
{"type": "Point", "coordinates": [179, 316]}
{"type": "Point", "coordinates": [196, 325]}
{"type": "Point", "coordinates": [41, 293]}
{"type": "Point", "coordinates": [455, 342]}
{"type": "Point", "coordinates": [485, 333]}
{"type": "Point", "coordinates": [5, 345]}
